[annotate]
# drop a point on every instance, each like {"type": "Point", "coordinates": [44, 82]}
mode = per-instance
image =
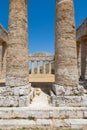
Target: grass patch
{"type": "Point", "coordinates": [31, 118]}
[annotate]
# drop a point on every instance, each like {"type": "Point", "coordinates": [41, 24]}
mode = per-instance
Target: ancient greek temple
{"type": "Point", "coordinates": [64, 74]}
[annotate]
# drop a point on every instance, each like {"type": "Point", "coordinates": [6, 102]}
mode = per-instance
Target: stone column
{"type": "Point", "coordinates": [66, 72]}
{"type": "Point", "coordinates": [49, 67]}
{"type": "Point", "coordinates": [32, 67]}
{"type": "Point", "coordinates": [79, 59]}
{"type": "Point", "coordinates": [17, 72]}
{"type": "Point", "coordinates": [44, 67]}
{"type": "Point", "coordinates": [38, 67]}
{"type": "Point", "coordinates": [84, 60]}
{"type": "Point", "coordinates": [1, 51]}
{"type": "Point", "coordinates": [4, 52]}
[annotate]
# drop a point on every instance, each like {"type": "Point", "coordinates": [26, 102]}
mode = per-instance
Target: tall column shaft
{"type": "Point", "coordinates": [1, 60]}
{"type": "Point", "coordinates": [84, 60]}
{"type": "Point", "coordinates": [66, 73]}
{"type": "Point", "coordinates": [79, 58]}
{"type": "Point", "coordinates": [4, 53]}
{"type": "Point", "coordinates": [17, 51]}
{"type": "Point", "coordinates": [49, 67]}
{"type": "Point", "coordinates": [38, 67]}
{"type": "Point", "coordinates": [44, 67]}
{"type": "Point", "coordinates": [32, 67]}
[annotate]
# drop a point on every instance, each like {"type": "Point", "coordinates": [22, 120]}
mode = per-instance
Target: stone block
{"type": "Point", "coordinates": [24, 101]}
{"type": "Point", "coordinates": [6, 91]}
{"type": "Point", "coordinates": [70, 101]}
{"type": "Point", "coordinates": [67, 91]}
{"type": "Point", "coordinates": [9, 101]}
{"type": "Point", "coordinates": [84, 101]}
{"type": "Point", "coordinates": [85, 114]}
{"type": "Point", "coordinates": [58, 90]}
{"type": "Point", "coordinates": [22, 90]}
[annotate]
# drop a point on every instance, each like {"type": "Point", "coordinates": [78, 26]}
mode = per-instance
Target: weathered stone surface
{"type": "Point", "coordinates": [3, 45]}
{"type": "Point", "coordinates": [59, 90]}
{"type": "Point", "coordinates": [44, 124]}
{"type": "Point", "coordinates": [3, 34]}
{"type": "Point", "coordinates": [22, 90]}
{"type": "Point", "coordinates": [9, 101]}
{"type": "Point", "coordinates": [79, 58]}
{"type": "Point", "coordinates": [6, 91]}
{"type": "Point", "coordinates": [69, 101]}
{"type": "Point", "coordinates": [1, 58]}
{"type": "Point", "coordinates": [41, 56]}
{"type": "Point", "coordinates": [84, 101]}
{"type": "Point", "coordinates": [85, 115]}
{"type": "Point", "coordinates": [66, 73]}
{"type": "Point", "coordinates": [24, 101]}
{"type": "Point", "coordinates": [17, 51]}
{"type": "Point", "coordinates": [15, 96]}
{"type": "Point", "coordinates": [68, 91]}
{"type": "Point", "coordinates": [82, 31]}
{"type": "Point", "coordinates": [43, 113]}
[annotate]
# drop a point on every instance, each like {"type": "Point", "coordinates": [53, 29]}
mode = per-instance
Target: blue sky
{"type": "Point", "coordinates": [41, 17]}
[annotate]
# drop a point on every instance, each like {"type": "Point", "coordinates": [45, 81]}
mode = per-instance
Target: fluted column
{"type": "Point", "coordinates": [49, 67]}
{"type": "Point", "coordinates": [86, 62]}
{"type": "Point", "coordinates": [32, 67]}
{"type": "Point", "coordinates": [17, 72]}
{"type": "Point", "coordinates": [79, 58]}
{"type": "Point", "coordinates": [4, 53]}
{"type": "Point", "coordinates": [66, 73]}
{"type": "Point", "coordinates": [44, 67]}
{"type": "Point", "coordinates": [38, 67]}
{"type": "Point", "coordinates": [84, 59]}
{"type": "Point", "coordinates": [1, 47]}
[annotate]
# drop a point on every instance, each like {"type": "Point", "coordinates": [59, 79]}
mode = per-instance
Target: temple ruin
{"type": "Point", "coordinates": [65, 72]}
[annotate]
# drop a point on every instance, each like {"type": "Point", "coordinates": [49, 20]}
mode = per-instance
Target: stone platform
{"type": "Point", "coordinates": [19, 96]}
{"type": "Point", "coordinates": [71, 124]}
{"type": "Point", "coordinates": [62, 96]}
{"type": "Point", "coordinates": [52, 117]}
{"type": "Point", "coordinates": [69, 101]}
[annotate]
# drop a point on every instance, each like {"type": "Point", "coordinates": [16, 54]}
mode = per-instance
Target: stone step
{"type": "Point", "coordinates": [43, 123]}
{"type": "Point", "coordinates": [43, 113]}
{"type": "Point", "coordinates": [69, 101]}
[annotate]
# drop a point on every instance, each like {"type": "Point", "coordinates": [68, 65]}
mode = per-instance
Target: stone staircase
{"type": "Point", "coordinates": [62, 117]}
{"type": "Point", "coordinates": [41, 114]}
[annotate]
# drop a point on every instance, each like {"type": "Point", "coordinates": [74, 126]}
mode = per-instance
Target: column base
{"type": "Point", "coordinates": [67, 91]}
{"type": "Point", "coordinates": [62, 96]}
{"type": "Point", "coordinates": [15, 96]}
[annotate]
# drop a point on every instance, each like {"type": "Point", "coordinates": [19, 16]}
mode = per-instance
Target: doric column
{"type": "Point", "coordinates": [1, 47]}
{"type": "Point", "coordinates": [66, 73]}
{"type": "Point", "coordinates": [84, 60]}
{"type": "Point", "coordinates": [49, 67]}
{"type": "Point", "coordinates": [4, 53]}
{"type": "Point", "coordinates": [17, 72]}
{"type": "Point", "coordinates": [32, 67]}
{"type": "Point", "coordinates": [44, 67]}
{"type": "Point", "coordinates": [79, 58]}
{"type": "Point", "coordinates": [38, 67]}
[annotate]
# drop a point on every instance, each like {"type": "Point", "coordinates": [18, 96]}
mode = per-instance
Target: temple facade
{"type": "Point", "coordinates": [66, 71]}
